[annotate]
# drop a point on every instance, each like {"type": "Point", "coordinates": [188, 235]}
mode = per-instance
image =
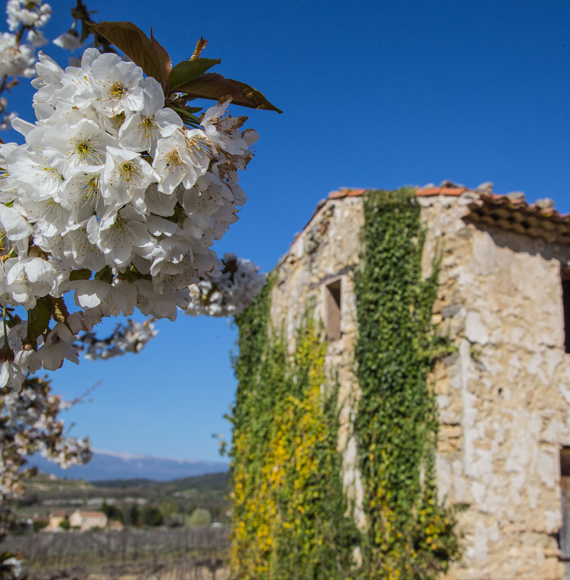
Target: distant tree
{"type": "Point", "coordinates": [189, 507]}
{"type": "Point", "coordinates": [28, 500]}
{"type": "Point", "coordinates": [113, 512]}
{"type": "Point", "coordinates": [218, 512]}
{"type": "Point", "coordinates": [132, 516]}
{"type": "Point", "coordinates": [95, 529]}
{"type": "Point", "coordinates": [168, 507]}
{"type": "Point", "coordinates": [152, 516]}
{"type": "Point", "coordinates": [40, 524]}
{"type": "Point", "coordinates": [200, 517]}
{"type": "Point", "coordinates": [64, 524]}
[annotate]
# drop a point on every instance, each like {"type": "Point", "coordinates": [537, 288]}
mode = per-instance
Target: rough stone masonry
{"type": "Point", "coordinates": [503, 396]}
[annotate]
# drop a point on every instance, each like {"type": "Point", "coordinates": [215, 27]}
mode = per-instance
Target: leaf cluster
{"type": "Point", "coordinates": [185, 81]}
{"type": "Point", "coordinates": [40, 316]}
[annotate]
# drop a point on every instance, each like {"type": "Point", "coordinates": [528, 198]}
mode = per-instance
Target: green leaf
{"type": "Point", "coordinates": [13, 320]}
{"type": "Point", "coordinates": [188, 70]}
{"type": "Point", "coordinates": [186, 115]}
{"type": "Point", "coordinates": [213, 86]}
{"type": "Point", "coordinates": [192, 121]}
{"type": "Point", "coordinates": [163, 59]}
{"type": "Point", "coordinates": [83, 274]}
{"type": "Point", "coordinates": [38, 319]}
{"type": "Point", "coordinates": [105, 275]}
{"type": "Point", "coordinates": [134, 43]}
{"type": "Point", "coordinates": [255, 97]}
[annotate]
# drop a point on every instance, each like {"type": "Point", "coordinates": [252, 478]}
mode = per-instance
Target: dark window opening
{"type": "Point", "coordinates": [333, 297]}
{"type": "Point", "coordinates": [564, 534]}
{"type": "Point", "coordinates": [566, 307]}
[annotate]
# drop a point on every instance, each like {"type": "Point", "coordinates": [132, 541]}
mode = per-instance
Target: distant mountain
{"type": "Point", "coordinates": [107, 465]}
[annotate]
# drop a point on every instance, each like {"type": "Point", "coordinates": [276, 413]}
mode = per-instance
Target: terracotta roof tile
{"type": "Point", "coordinates": [493, 210]}
{"type": "Point", "coordinates": [346, 192]}
{"type": "Point", "coordinates": [520, 217]}
{"type": "Point", "coordinates": [454, 191]}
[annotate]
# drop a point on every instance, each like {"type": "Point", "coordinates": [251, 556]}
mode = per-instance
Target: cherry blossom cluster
{"type": "Point", "coordinates": [17, 57]}
{"type": "Point", "coordinates": [231, 293]}
{"type": "Point", "coordinates": [29, 424]}
{"type": "Point", "coordinates": [18, 47]}
{"type": "Point", "coordinates": [32, 14]}
{"type": "Point", "coordinates": [110, 198]}
{"type": "Point", "coordinates": [225, 296]}
{"type": "Point", "coordinates": [12, 568]}
{"type": "Point", "coordinates": [129, 337]}
{"type": "Point", "coordinates": [228, 295]}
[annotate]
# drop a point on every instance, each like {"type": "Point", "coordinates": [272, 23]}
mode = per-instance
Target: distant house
{"type": "Point", "coordinates": [116, 526]}
{"type": "Point", "coordinates": [87, 520]}
{"type": "Point", "coordinates": [55, 519]}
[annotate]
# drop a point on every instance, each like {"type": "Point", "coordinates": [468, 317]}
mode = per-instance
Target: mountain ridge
{"type": "Point", "coordinates": [108, 465]}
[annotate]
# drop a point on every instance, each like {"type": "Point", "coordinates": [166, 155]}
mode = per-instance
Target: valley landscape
{"type": "Point", "coordinates": [175, 529]}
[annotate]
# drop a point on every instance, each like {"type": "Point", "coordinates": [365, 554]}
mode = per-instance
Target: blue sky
{"type": "Point", "coordinates": [375, 94]}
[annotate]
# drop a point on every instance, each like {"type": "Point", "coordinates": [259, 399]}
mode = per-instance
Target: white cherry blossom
{"type": "Point", "coordinates": [174, 163]}
{"type": "Point", "coordinates": [117, 85]}
{"type": "Point", "coordinates": [28, 279]}
{"type": "Point", "coordinates": [78, 145]}
{"type": "Point", "coordinates": [142, 130]}
{"type": "Point", "coordinates": [68, 41]}
{"type": "Point", "coordinates": [126, 176]}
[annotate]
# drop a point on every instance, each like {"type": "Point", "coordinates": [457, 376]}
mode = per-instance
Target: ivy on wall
{"type": "Point", "coordinates": [290, 515]}
{"type": "Point", "coordinates": [410, 535]}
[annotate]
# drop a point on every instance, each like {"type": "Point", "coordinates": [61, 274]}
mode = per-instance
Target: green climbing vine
{"type": "Point", "coordinates": [410, 535]}
{"type": "Point", "coordinates": [290, 516]}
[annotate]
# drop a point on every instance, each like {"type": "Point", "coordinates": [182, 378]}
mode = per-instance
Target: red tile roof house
{"type": "Point", "coordinates": [505, 414]}
{"type": "Point", "coordinates": [87, 520]}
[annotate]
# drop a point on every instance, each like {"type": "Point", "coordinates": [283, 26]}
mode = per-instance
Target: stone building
{"type": "Point", "coordinates": [56, 517]}
{"type": "Point", "coordinates": [503, 396]}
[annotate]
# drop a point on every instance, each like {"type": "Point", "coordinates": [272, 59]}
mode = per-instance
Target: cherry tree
{"type": "Point", "coordinates": [110, 204]}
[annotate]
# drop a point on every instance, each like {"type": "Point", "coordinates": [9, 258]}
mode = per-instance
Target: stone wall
{"type": "Point", "coordinates": [328, 248]}
{"type": "Point", "coordinates": [504, 396]}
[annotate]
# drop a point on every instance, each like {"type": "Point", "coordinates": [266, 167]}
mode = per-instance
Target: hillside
{"type": "Point", "coordinates": [207, 482]}
{"type": "Point", "coordinates": [177, 499]}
